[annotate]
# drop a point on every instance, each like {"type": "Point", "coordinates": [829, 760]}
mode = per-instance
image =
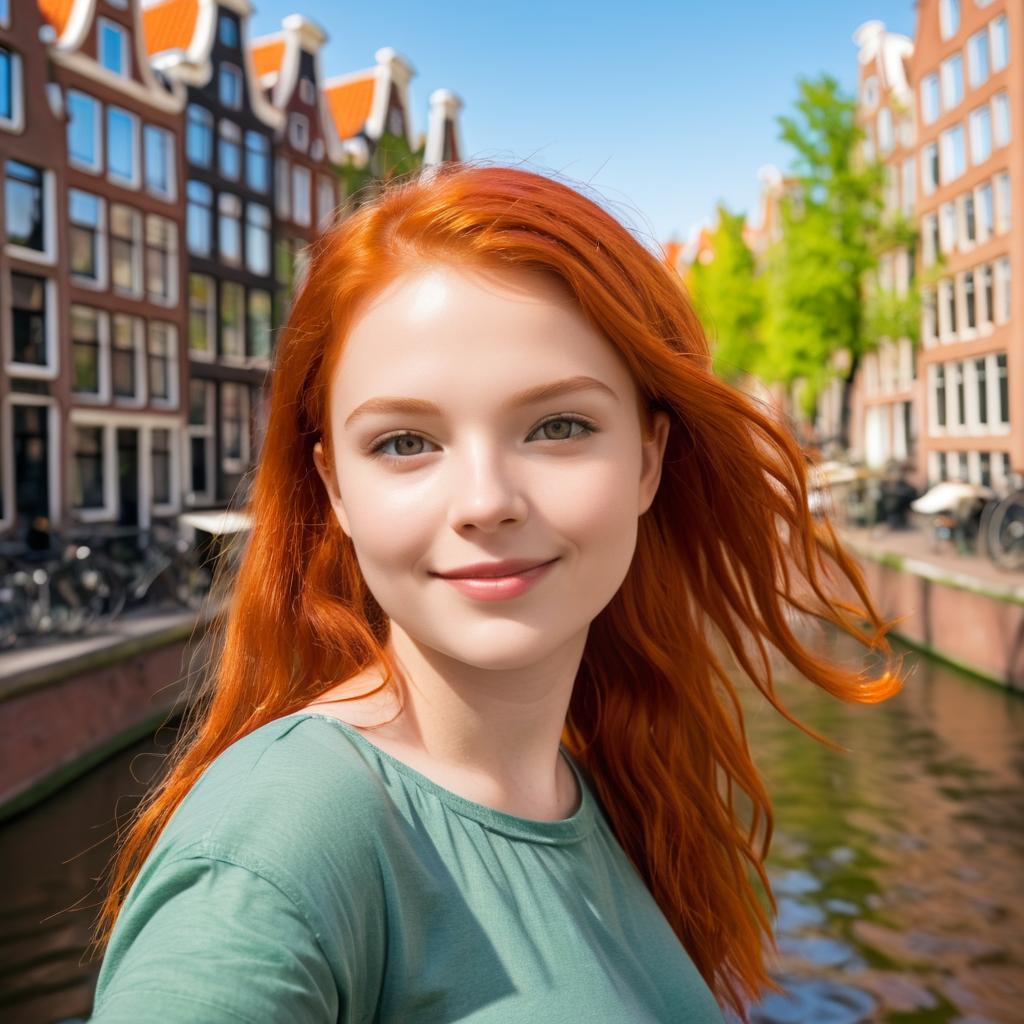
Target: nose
{"type": "Point", "coordinates": [483, 491]}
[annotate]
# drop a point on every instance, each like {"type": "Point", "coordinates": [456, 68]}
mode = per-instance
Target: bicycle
{"type": "Point", "coordinates": [1003, 535]}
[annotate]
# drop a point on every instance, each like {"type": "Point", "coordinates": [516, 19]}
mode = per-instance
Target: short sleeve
{"type": "Point", "coordinates": [205, 938]}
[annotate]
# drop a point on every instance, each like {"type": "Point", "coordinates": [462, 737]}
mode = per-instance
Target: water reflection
{"type": "Point", "coordinates": [897, 866]}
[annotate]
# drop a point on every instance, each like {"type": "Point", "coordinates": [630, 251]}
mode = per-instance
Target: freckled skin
{"type": "Point", "coordinates": [485, 685]}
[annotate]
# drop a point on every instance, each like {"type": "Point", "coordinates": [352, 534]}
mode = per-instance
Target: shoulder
{"type": "Point", "coordinates": [293, 798]}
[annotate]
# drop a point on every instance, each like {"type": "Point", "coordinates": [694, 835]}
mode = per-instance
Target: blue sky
{"type": "Point", "coordinates": [662, 107]}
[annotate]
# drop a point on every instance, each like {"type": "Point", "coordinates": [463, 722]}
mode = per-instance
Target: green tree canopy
{"type": "Point", "coordinates": [727, 295]}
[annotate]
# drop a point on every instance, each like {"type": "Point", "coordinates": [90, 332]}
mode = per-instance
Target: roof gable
{"type": "Point", "coordinates": [169, 25]}
{"type": "Point", "coordinates": [350, 103]}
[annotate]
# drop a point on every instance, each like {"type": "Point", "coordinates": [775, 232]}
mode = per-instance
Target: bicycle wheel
{"type": "Point", "coordinates": [1006, 533]}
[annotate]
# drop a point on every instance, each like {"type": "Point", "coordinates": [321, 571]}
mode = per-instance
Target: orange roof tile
{"type": "Point", "coordinates": [267, 57]}
{"type": "Point", "coordinates": [169, 25]}
{"type": "Point", "coordinates": [56, 13]}
{"type": "Point", "coordinates": [350, 104]}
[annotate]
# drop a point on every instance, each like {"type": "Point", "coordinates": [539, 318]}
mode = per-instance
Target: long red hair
{"type": "Point", "coordinates": [728, 552]}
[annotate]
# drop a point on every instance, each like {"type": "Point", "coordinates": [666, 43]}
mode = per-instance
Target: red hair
{"type": "Point", "coordinates": [728, 551]}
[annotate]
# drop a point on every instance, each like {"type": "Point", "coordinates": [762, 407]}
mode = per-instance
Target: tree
{"type": "Point", "coordinates": [728, 297]}
{"type": "Point", "coordinates": [830, 220]}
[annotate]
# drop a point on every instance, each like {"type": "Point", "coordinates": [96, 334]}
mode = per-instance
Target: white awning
{"type": "Point", "coordinates": [217, 522]}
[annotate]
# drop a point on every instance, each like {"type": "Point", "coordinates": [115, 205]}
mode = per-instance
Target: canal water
{"type": "Point", "coordinates": [897, 866]}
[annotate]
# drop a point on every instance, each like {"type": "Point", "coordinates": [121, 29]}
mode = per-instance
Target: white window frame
{"type": "Point", "coordinates": [233, 134]}
{"type": "Point", "coordinates": [232, 358]}
{"type": "Point", "coordinates": [173, 364]}
{"type": "Point", "coordinates": [948, 170]}
{"type": "Point", "coordinates": [1003, 202]}
{"type": "Point", "coordinates": [1001, 291]}
{"type": "Point", "coordinates": [16, 122]}
{"type": "Point", "coordinates": [234, 72]}
{"type": "Point", "coordinates": [908, 183]}
{"type": "Point", "coordinates": [1001, 26]}
{"type": "Point", "coordinates": [227, 464]}
{"type": "Point", "coordinates": [977, 52]}
{"type": "Point", "coordinates": [173, 429]}
{"type": "Point", "coordinates": [952, 83]}
{"type": "Point", "coordinates": [205, 431]}
{"type": "Point", "coordinates": [125, 57]}
{"type": "Point", "coordinates": [89, 418]}
{"type": "Point", "coordinates": [259, 216]}
{"type": "Point", "coordinates": [212, 319]}
{"type": "Point", "coordinates": [102, 280]}
{"type": "Point", "coordinates": [48, 255]}
{"type": "Point", "coordinates": [984, 231]}
{"type": "Point", "coordinates": [930, 89]}
{"type": "Point", "coordinates": [140, 397]}
{"type": "Point", "coordinates": [282, 188]}
{"type": "Point", "coordinates": [99, 117]}
{"type": "Point", "coordinates": [978, 117]}
{"type": "Point", "coordinates": [102, 396]}
{"type": "Point", "coordinates": [170, 165]}
{"type": "Point", "coordinates": [304, 215]}
{"type": "Point", "coordinates": [139, 275]}
{"type": "Point", "coordinates": [948, 240]}
{"type": "Point", "coordinates": [53, 435]}
{"type": "Point", "coordinates": [172, 262]}
{"type": "Point", "coordinates": [1001, 102]}
{"type": "Point", "coordinates": [948, 25]}
{"type": "Point", "coordinates": [136, 177]}
{"type": "Point", "coordinates": [928, 183]}
{"type": "Point", "coordinates": [298, 131]}
{"type": "Point", "coordinates": [51, 368]}
{"type": "Point", "coordinates": [230, 205]}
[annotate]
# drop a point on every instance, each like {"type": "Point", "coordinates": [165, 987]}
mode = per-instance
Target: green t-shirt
{"type": "Point", "coordinates": [309, 876]}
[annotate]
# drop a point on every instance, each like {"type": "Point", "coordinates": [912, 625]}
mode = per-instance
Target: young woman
{"type": "Point", "coordinates": [469, 751]}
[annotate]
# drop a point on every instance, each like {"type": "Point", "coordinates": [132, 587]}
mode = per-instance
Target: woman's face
{"type": "Point", "coordinates": [486, 477]}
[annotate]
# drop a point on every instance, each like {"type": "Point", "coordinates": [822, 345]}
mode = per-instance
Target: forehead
{"type": "Point", "coordinates": [444, 328]}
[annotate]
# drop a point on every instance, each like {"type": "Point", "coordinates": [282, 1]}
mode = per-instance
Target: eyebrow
{"type": "Point", "coordinates": [538, 393]}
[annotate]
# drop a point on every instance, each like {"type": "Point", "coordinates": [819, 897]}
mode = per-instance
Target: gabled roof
{"type": "Point", "coordinates": [350, 102]}
{"type": "Point", "coordinates": [169, 24]}
{"type": "Point", "coordinates": [56, 13]}
{"type": "Point", "coordinates": [267, 54]}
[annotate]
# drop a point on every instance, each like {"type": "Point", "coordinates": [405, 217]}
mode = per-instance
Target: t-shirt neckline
{"type": "Point", "coordinates": [565, 830]}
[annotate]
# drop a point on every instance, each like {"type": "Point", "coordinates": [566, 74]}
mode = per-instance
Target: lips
{"type": "Point", "coordinates": [494, 570]}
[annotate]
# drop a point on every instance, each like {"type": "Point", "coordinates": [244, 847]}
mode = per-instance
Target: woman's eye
{"type": "Point", "coordinates": [561, 431]}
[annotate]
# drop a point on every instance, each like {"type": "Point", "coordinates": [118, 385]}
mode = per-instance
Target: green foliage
{"type": "Point", "coordinates": [392, 157]}
{"type": "Point", "coordinates": [727, 295]}
{"type": "Point", "coordinates": [831, 221]}
{"type": "Point", "coordinates": [888, 315]}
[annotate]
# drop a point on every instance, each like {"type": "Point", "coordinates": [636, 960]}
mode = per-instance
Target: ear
{"type": "Point", "coordinates": [330, 482]}
{"type": "Point", "coordinates": [652, 454]}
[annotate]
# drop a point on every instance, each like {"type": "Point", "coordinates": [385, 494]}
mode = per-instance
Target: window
{"type": "Point", "coordinates": [260, 322]}
{"type": "Point", "coordinates": [161, 259]}
{"type": "Point", "coordinates": [199, 136]}
{"type": "Point", "coordinates": [83, 130]}
{"type": "Point", "coordinates": [307, 91]}
{"type": "Point", "coordinates": [162, 361]}
{"type": "Point", "coordinates": [970, 233]}
{"type": "Point", "coordinates": [199, 219]}
{"type": "Point", "coordinates": [229, 228]}
{"type": "Point", "coordinates": [229, 86]}
{"type": "Point", "coordinates": [1002, 189]}
{"type": "Point", "coordinates": [29, 320]}
{"type": "Point", "coordinates": [257, 161]}
{"type": "Point", "coordinates": [87, 467]}
{"type": "Point", "coordinates": [227, 30]}
{"type": "Point", "coordinates": [977, 59]}
{"type": "Point", "coordinates": [956, 375]}
{"type": "Point", "coordinates": [929, 325]}
{"type": "Point", "coordinates": [930, 168]}
{"type": "Point", "coordinates": [939, 394]}
{"type": "Point", "coordinates": [909, 183]}
{"type": "Point", "coordinates": [126, 335]}
{"type": "Point", "coordinates": [125, 249]}
{"type": "Point", "coordinates": [952, 81]}
{"type": "Point", "coordinates": [1000, 42]}
{"type": "Point", "coordinates": [234, 426]}
{"type": "Point", "coordinates": [985, 469]}
{"type": "Point", "coordinates": [301, 212]}
{"type": "Point", "coordinates": [1002, 307]}
{"type": "Point", "coordinates": [954, 159]}
{"type": "Point", "coordinates": [282, 188]}
{"type": "Point", "coordinates": [122, 147]}
{"type": "Point", "coordinates": [85, 351]}
{"type": "Point", "coordinates": [158, 153]}
{"type": "Point", "coordinates": [200, 433]}
{"type": "Point", "coordinates": [1001, 107]}
{"type": "Point", "coordinates": [929, 239]}
{"type": "Point", "coordinates": [25, 206]}
{"type": "Point", "coordinates": [1002, 389]}
{"type": "Point", "coordinates": [112, 42]}
{"type": "Point", "coordinates": [981, 390]}
{"type": "Point", "coordinates": [947, 227]}
{"type": "Point", "coordinates": [930, 98]}
{"type": "Point", "coordinates": [11, 96]}
{"type": "Point", "coordinates": [949, 17]}
{"type": "Point", "coordinates": [160, 465]}
{"type": "Point", "coordinates": [87, 237]}
{"type": "Point", "coordinates": [980, 123]}
{"type": "Point", "coordinates": [229, 151]}
{"type": "Point", "coordinates": [298, 131]}
{"type": "Point", "coordinates": [257, 239]}
{"type": "Point", "coordinates": [987, 295]}
{"type": "Point", "coordinates": [202, 315]}
{"type": "Point", "coordinates": [316, 149]}
{"type": "Point", "coordinates": [232, 319]}
{"type": "Point", "coordinates": [986, 211]}
{"type": "Point", "coordinates": [970, 310]}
